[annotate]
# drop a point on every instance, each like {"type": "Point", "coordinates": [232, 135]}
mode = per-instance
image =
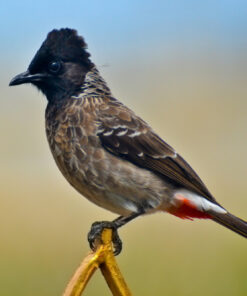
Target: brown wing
{"type": "Point", "coordinates": [128, 136]}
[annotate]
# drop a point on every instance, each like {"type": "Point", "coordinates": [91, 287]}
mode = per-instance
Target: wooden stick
{"type": "Point", "coordinates": [104, 259]}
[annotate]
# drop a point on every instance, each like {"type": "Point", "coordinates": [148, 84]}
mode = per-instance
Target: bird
{"type": "Point", "coordinates": [108, 153]}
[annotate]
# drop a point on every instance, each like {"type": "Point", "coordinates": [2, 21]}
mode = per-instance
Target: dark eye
{"type": "Point", "coordinates": [54, 67]}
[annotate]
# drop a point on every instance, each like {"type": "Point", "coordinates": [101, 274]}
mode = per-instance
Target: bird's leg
{"type": "Point", "coordinates": [95, 232]}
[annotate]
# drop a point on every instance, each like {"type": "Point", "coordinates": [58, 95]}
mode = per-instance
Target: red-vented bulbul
{"type": "Point", "coordinates": [105, 151]}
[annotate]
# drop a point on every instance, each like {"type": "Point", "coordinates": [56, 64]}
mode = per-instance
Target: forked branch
{"type": "Point", "coordinates": [103, 258]}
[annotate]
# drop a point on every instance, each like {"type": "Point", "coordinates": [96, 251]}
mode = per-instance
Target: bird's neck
{"type": "Point", "coordinates": [94, 85]}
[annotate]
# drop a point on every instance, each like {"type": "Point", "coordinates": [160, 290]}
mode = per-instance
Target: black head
{"type": "Point", "coordinates": [59, 67]}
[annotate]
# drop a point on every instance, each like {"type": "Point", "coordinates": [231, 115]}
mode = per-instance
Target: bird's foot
{"type": "Point", "coordinates": [94, 235]}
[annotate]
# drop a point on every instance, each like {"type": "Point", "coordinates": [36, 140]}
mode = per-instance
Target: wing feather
{"type": "Point", "coordinates": [132, 139]}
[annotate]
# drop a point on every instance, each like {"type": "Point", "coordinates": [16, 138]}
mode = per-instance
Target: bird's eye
{"type": "Point", "coordinates": [54, 67]}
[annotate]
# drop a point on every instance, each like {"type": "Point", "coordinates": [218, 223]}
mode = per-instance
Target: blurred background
{"type": "Point", "coordinates": [182, 66]}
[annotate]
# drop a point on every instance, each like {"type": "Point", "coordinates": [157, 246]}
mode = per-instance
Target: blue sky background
{"type": "Point", "coordinates": [123, 26]}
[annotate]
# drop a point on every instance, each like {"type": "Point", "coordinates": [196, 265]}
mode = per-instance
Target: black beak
{"type": "Point", "coordinates": [26, 77]}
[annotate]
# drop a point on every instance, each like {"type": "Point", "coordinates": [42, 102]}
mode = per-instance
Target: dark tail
{"type": "Point", "coordinates": [232, 222]}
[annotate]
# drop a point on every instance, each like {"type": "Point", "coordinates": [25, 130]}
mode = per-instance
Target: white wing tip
{"type": "Point", "coordinates": [200, 202]}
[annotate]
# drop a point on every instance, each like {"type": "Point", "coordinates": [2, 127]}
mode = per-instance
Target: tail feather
{"type": "Point", "coordinates": [232, 222]}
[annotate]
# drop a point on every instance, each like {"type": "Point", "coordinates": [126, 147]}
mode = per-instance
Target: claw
{"type": "Point", "coordinates": [117, 243]}
{"type": "Point", "coordinates": [94, 236]}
